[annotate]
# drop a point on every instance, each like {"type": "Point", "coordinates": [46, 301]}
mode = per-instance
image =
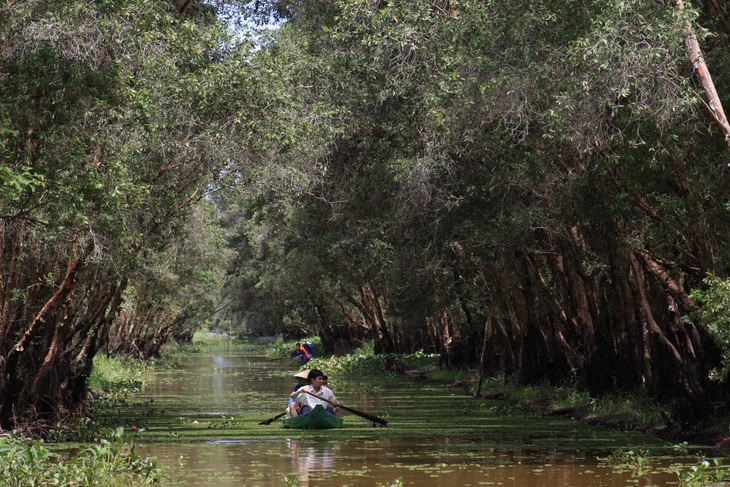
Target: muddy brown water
{"type": "Point", "coordinates": [201, 422]}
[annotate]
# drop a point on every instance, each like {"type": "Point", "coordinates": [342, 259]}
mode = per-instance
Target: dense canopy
{"type": "Point", "coordinates": [532, 188]}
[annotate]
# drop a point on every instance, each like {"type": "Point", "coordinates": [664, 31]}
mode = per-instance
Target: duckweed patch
{"type": "Point", "coordinates": [203, 423]}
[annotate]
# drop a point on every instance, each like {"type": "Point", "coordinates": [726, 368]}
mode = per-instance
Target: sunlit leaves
{"type": "Point", "coordinates": [110, 135]}
{"type": "Point", "coordinates": [508, 128]}
{"type": "Point", "coordinates": [715, 316]}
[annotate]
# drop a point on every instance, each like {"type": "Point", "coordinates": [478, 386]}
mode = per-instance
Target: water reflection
{"type": "Point", "coordinates": [311, 461]}
{"type": "Point", "coordinates": [314, 463]}
{"type": "Point", "coordinates": [205, 429]}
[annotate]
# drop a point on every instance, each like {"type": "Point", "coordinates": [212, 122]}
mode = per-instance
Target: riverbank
{"type": "Point", "coordinates": [102, 456]}
{"type": "Point", "coordinates": [619, 411]}
{"type": "Point", "coordinates": [209, 409]}
{"type": "Point", "coordinates": [206, 399]}
{"type": "Point", "coordinates": [202, 419]}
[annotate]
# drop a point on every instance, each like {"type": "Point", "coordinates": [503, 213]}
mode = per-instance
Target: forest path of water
{"type": "Point", "coordinates": [201, 422]}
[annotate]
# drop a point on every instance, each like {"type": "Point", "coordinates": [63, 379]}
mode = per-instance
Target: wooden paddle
{"type": "Point", "coordinates": [271, 420]}
{"type": "Point", "coordinates": [367, 416]}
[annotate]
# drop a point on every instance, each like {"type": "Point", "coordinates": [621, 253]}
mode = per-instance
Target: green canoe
{"type": "Point", "coordinates": [298, 361]}
{"type": "Point", "coordinates": [316, 419]}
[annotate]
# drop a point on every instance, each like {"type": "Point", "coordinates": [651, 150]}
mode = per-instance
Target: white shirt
{"type": "Point", "coordinates": [308, 400]}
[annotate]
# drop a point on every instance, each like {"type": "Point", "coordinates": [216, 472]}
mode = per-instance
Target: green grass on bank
{"type": "Point", "coordinates": [625, 411]}
{"type": "Point", "coordinates": [119, 376]}
{"type": "Point", "coordinates": [106, 463]}
{"type": "Point", "coordinates": [107, 457]}
{"type": "Point", "coordinates": [618, 410]}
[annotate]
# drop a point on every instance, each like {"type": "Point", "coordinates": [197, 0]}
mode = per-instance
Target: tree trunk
{"type": "Point", "coordinates": [25, 385]}
{"type": "Point", "coordinates": [371, 310]}
{"type": "Point", "coordinates": [703, 74]}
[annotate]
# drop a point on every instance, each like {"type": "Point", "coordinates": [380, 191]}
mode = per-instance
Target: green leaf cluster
{"type": "Point", "coordinates": [714, 314]}
{"type": "Point", "coordinates": [486, 169]}
{"type": "Point", "coordinates": [107, 463]}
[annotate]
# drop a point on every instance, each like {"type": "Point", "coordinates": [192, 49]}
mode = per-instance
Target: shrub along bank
{"type": "Point", "coordinates": [108, 460]}
{"type": "Point", "coordinates": [620, 410]}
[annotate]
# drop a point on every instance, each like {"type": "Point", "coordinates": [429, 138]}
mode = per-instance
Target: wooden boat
{"type": "Point", "coordinates": [298, 361]}
{"type": "Point", "coordinates": [316, 419]}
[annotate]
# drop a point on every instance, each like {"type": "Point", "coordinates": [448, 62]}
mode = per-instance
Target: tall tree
{"type": "Point", "coordinates": [110, 136]}
{"type": "Point", "coordinates": [505, 184]}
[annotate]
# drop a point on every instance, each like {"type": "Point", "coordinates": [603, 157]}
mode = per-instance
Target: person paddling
{"type": "Point", "coordinates": [300, 353]}
{"type": "Point", "coordinates": [307, 401]}
{"type": "Point", "coordinates": [302, 380]}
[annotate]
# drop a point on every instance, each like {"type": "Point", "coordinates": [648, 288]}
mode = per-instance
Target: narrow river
{"type": "Point", "coordinates": [201, 422]}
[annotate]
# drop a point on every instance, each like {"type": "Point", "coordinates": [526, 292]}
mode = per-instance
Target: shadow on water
{"type": "Point", "coordinates": [201, 422]}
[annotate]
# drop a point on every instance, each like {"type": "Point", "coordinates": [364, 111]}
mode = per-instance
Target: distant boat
{"type": "Point", "coordinates": [316, 419]}
{"type": "Point", "coordinates": [298, 361]}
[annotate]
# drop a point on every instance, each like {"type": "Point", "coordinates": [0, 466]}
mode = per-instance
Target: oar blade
{"type": "Point", "coordinates": [271, 420]}
{"type": "Point", "coordinates": [369, 417]}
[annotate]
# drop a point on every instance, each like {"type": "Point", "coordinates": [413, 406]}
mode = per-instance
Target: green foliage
{"type": "Point", "coordinates": [705, 473]}
{"type": "Point", "coordinates": [112, 381]}
{"type": "Point", "coordinates": [14, 183]}
{"type": "Point", "coordinates": [185, 279]}
{"type": "Point", "coordinates": [616, 409]}
{"type": "Point", "coordinates": [208, 338]}
{"type": "Point", "coordinates": [636, 460]}
{"type": "Point", "coordinates": [110, 462]}
{"type": "Point", "coordinates": [369, 141]}
{"type": "Point", "coordinates": [83, 428]}
{"type": "Point", "coordinates": [282, 348]}
{"type": "Point", "coordinates": [117, 127]}
{"type": "Point", "coordinates": [396, 483]}
{"type": "Point", "coordinates": [472, 160]}
{"type": "Point", "coordinates": [118, 375]}
{"type": "Point", "coordinates": [714, 314]}
{"type": "Point", "coordinates": [363, 363]}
